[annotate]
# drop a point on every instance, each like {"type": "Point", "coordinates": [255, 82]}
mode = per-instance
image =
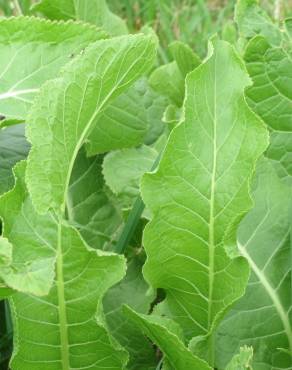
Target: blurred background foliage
{"type": "Point", "coordinates": [190, 21]}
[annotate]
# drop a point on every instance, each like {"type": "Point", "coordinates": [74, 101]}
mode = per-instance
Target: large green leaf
{"type": "Point", "coordinates": [68, 108]}
{"type": "Point", "coordinates": [271, 97]}
{"type": "Point", "coordinates": [167, 336]}
{"type": "Point", "coordinates": [13, 148]}
{"type": "Point", "coordinates": [63, 330]}
{"type": "Point", "coordinates": [262, 318]}
{"type": "Point", "coordinates": [199, 192]}
{"type": "Point", "coordinates": [32, 51]}
{"type": "Point", "coordinates": [125, 122]}
{"type": "Point", "coordinates": [253, 20]}
{"type": "Point", "coordinates": [92, 11]}
{"type": "Point", "coordinates": [134, 291]}
{"type": "Point", "coordinates": [91, 207]}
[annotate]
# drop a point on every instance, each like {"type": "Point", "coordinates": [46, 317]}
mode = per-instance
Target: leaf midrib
{"type": "Point", "coordinates": [62, 304]}
{"type": "Point", "coordinates": [211, 220]}
{"type": "Point", "coordinates": [212, 198]}
{"type": "Point", "coordinates": [87, 129]}
{"type": "Point", "coordinates": [15, 93]}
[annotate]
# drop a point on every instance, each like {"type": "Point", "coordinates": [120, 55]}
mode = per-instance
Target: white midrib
{"type": "Point", "coordinates": [61, 304]}
{"type": "Point", "coordinates": [12, 94]}
{"type": "Point", "coordinates": [87, 128]}
{"type": "Point", "coordinates": [272, 294]}
{"type": "Point", "coordinates": [211, 221]}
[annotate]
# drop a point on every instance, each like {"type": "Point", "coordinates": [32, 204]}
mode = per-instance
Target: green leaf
{"type": "Point", "coordinates": [271, 94]}
{"type": "Point", "coordinates": [262, 318]}
{"type": "Point", "coordinates": [133, 291]}
{"type": "Point", "coordinates": [123, 170]}
{"type": "Point", "coordinates": [186, 59]}
{"type": "Point", "coordinates": [200, 189]}
{"type": "Point", "coordinates": [155, 106]}
{"type": "Point", "coordinates": [125, 122]}
{"type": "Point", "coordinates": [229, 32]}
{"type": "Point", "coordinates": [32, 51]}
{"type": "Point", "coordinates": [271, 97]}
{"type": "Point", "coordinates": [168, 81]}
{"type": "Point", "coordinates": [93, 11]}
{"type": "Point", "coordinates": [13, 148]}
{"type": "Point", "coordinates": [252, 20]}
{"type": "Point", "coordinates": [30, 241]}
{"type": "Point", "coordinates": [242, 361]}
{"type": "Point", "coordinates": [91, 208]}
{"type": "Point", "coordinates": [63, 329]}
{"type": "Point", "coordinates": [167, 336]}
{"type": "Point", "coordinates": [280, 152]}
{"type": "Point", "coordinates": [68, 108]}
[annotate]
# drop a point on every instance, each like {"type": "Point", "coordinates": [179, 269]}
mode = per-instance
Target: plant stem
{"type": "Point", "coordinates": [133, 220]}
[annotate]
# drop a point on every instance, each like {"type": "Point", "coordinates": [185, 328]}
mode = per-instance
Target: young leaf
{"type": "Point", "coordinates": [68, 107]}
{"type": "Point", "coordinates": [13, 148]}
{"type": "Point", "coordinates": [93, 11]}
{"type": "Point", "coordinates": [199, 190]}
{"type": "Point", "coordinates": [155, 105]}
{"type": "Point", "coordinates": [242, 361]}
{"type": "Point", "coordinates": [262, 318]}
{"type": "Point", "coordinates": [32, 51]}
{"type": "Point", "coordinates": [168, 81]}
{"type": "Point", "coordinates": [229, 32]}
{"type": "Point", "coordinates": [134, 291]}
{"type": "Point", "coordinates": [91, 208]}
{"type": "Point", "coordinates": [123, 170]}
{"type": "Point", "coordinates": [63, 330]}
{"type": "Point", "coordinates": [186, 59]}
{"type": "Point", "coordinates": [167, 336]}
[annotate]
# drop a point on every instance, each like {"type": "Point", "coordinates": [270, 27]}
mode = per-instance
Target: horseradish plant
{"type": "Point", "coordinates": [198, 278]}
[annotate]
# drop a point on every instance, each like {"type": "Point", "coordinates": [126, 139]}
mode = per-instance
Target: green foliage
{"type": "Point", "coordinates": [33, 51]}
{"type": "Point", "coordinates": [266, 245]}
{"type": "Point", "coordinates": [68, 108]}
{"type": "Point", "coordinates": [145, 214]}
{"type": "Point", "coordinates": [204, 175]}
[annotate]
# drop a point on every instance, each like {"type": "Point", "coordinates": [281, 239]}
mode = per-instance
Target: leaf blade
{"type": "Point", "coordinates": [266, 245]}
{"type": "Point", "coordinates": [202, 196]}
{"type": "Point", "coordinates": [80, 93]}
{"type": "Point", "coordinates": [43, 49]}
